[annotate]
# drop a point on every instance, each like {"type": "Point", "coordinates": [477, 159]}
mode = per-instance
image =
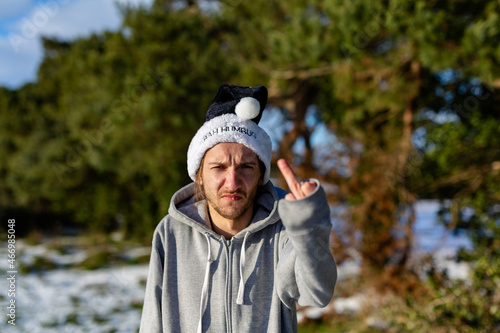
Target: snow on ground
{"type": "Point", "coordinates": [82, 301]}
{"type": "Point", "coordinates": [433, 238]}
{"type": "Point", "coordinates": [109, 299]}
{"type": "Point", "coordinates": [73, 300]}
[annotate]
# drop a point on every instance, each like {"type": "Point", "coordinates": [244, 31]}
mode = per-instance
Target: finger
{"type": "Point", "coordinates": [290, 196]}
{"type": "Point", "coordinates": [308, 187]}
{"type": "Point", "coordinates": [290, 178]}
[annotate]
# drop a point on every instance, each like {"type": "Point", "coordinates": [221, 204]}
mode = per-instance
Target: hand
{"type": "Point", "coordinates": [298, 190]}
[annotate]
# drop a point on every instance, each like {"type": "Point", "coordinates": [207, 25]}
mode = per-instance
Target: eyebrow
{"type": "Point", "coordinates": [219, 162]}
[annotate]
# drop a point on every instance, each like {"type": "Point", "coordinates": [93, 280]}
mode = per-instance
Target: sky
{"type": "Point", "coordinates": [22, 22]}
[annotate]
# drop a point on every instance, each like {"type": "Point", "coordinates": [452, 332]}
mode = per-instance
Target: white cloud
{"type": "Point", "coordinates": [69, 19]}
{"type": "Point", "coordinates": [11, 8]}
{"type": "Point", "coordinates": [136, 2]}
{"type": "Point", "coordinates": [20, 47]}
{"type": "Point", "coordinates": [18, 67]}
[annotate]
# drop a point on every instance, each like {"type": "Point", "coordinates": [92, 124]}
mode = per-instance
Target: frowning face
{"type": "Point", "coordinates": [230, 177]}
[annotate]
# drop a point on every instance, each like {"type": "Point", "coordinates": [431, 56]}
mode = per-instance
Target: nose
{"type": "Point", "coordinates": [232, 179]}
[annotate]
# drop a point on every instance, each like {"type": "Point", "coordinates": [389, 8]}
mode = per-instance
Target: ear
{"type": "Point", "coordinates": [261, 179]}
{"type": "Point", "coordinates": [199, 177]}
{"type": "Point", "coordinates": [199, 173]}
{"type": "Point", "coordinates": [262, 169]}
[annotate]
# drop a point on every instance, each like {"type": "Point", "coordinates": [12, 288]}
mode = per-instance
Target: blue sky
{"type": "Point", "coordinates": [22, 22]}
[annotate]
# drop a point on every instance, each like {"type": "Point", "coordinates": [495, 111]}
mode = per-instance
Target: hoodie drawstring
{"type": "Point", "coordinates": [241, 290]}
{"type": "Point", "coordinates": [204, 291]}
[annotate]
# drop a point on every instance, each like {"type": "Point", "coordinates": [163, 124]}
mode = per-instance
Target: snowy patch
{"type": "Point", "coordinates": [104, 300]}
{"type": "Point", "coordinates": [315, 313]}
{"type": "Point", "coordinates": [348, 269]}
{"type": "Point", "coordinates": [446, 261]}
{"type": "Point", "coordinates": [74, 300]}
{"type": "Point", "coordinates": [348, 305]}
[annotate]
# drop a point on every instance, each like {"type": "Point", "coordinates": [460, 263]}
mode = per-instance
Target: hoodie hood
{"type": "Point", "coordinates": [185, 209]}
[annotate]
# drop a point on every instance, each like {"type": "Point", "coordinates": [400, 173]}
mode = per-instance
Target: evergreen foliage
{"type": "Point", "coordinates": [100, 140]}
{"type": "Point", "coordinates": [375, 71]}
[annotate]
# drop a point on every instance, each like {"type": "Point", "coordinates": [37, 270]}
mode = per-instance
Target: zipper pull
{"type": "Point", "coordinates": [226, 242]}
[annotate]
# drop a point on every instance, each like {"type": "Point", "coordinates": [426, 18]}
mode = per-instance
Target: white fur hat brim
{"type": "Point", "coordinates": [229, 128]}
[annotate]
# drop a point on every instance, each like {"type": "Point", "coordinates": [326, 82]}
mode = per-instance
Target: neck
{"type": "Point", "coordinates": [229, 227]}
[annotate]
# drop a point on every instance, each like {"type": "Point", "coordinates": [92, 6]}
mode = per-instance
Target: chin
{"type": "Point", "coordinates": [233, 213]}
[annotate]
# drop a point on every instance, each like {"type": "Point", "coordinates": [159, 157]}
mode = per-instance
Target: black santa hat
{"type": "Point", "coordinates": [233, 116]}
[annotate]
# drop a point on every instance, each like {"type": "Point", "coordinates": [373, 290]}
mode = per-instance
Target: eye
{"type": "Point", "coordinates": [248, 166]}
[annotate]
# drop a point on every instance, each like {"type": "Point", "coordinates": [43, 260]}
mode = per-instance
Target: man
{"type": "Point", "coordinates": [235, 253]}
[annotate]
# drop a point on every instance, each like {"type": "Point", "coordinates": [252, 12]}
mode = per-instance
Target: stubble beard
{"type": "Point", "coordinates": [232, 210]}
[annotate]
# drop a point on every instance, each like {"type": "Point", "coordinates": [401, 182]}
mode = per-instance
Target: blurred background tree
{"type": "Point", "coordinates": [100, 140]}
{"type": "Point", "coordinates": [379, 75]}
{"type": "Point", "coordinates": [409, 91]}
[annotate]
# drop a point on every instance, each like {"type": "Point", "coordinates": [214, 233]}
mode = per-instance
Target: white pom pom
{"type": "Point", "coordinates": [247, 108]}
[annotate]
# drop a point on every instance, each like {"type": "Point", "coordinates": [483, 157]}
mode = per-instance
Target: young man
{"type": "Point", "coordinates": [235, 253]}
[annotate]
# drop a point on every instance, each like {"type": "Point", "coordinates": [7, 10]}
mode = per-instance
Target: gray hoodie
{"type": "Point", "coordinates": [200, 282]}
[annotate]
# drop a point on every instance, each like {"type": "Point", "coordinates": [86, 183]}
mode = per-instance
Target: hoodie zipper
{"type": "Point", "coordinates": [229, 279]}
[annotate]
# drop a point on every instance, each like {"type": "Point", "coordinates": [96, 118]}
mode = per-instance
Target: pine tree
{"type": "Point", "coordinates": [105, 128]}
{"type": "Point", "coordinates": [374, 70]}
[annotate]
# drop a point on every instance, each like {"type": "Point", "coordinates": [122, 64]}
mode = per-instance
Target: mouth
{"type": "Point", "coordinates": [232, 197]}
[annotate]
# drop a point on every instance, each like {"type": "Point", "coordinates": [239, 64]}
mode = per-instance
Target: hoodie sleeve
{"type": "Point", "coordinates": [151, 320]}
{"type": "Point", "coordinates": [306, 271]}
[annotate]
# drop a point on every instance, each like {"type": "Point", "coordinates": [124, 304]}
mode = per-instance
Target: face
{"type": "Point", "coordinates": [230, 176]}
